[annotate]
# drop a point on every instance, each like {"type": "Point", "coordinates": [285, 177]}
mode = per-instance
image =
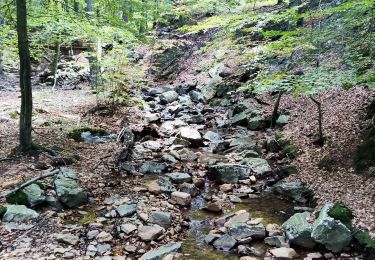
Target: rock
{"type": "Point", "coordinates": [181, 198]}
{"type": "Point", "coordinates": [128, 228]}
{"type": "Point", "coordinates": [19, 213]}
{"type": "Point", "coordinates": [243, 143]}
{"type": "Point", "coordinates": [228, 173]}
{"type": "Point", "coordinates": [241, 216]}
{"type": "Point", "coordinates": [253, 179]}
{"type": "Point", "coordinates": [293, 190]}
{"type": "Point", "coordinates": [69, 239]}
{"type": "Point", "coordinates": [152, 145]}
{"type": "Point", "coordinates": [168, 97]}
{"type": "Point", "coordinates": [314, 256]}
{"type": "Point", "coordinates": [126, 210]}
{"type": "Point", "coordinates": [152, 118]}
{"type": "Point", "coordinates": [214, 206]}
{"type": "Point", "coordinates": [245, 250]}
{"type": "Point", "coordinates": [276, 241]}
{"type": "Point", "coordinates": [225, 243]}
{"type": "Point", "coordinates": [241, 230]}
{"type": "Point", "coordinates": [298, 230]}
{"type": "Point", "coordinates": [256, 123]}
{"type": "Point", "coordinates": [68, 190]}
{"type": "Point", "coordinates": [234, 199]}
{"type": "Point", "coordinates": [162, 219]}
{"type": "Point", "coordinates": [209, 89]}
{"type": "Point", "coordinates": [92, 234]}
{"type": "Point", "coordinates": [103, 248]}
{"type": "Point", "coordinates": [333, 234]}
{"type": "Point", "coordinates": [282, 120]}
{"type": "Point", "coordinates": [189, 188]}
{"type": "Point", "coordinates": [210, 238]}
{"type": "Point", "coordinates": [151, 167]}
{"type": "Point", "coordinates": [226, 187]}
{"type": "Point", "coordinates": [284, 253]}
{"type": "Point", "coordinates": [165, 185]}
{"type": "Point", "coordinates": [192, 135]}
{"type": "Point", "coordinates": [213, 137]}
{"type": "Point", "coordinates": [257, 165]}
{"type": "Point", "coordinates": [273, 230]}
{"type": "Point", "coordinates": [179, 177]}
{"type": "Point", "coordinates": [248, 258]}
{"type": "Point", "coordinates": [104, 237]}
{"type": "Point", "coordinates": [149, 233]}
{"type": "Point", "coordinates": [196, 97]}
{"type": "Point", "coordinates": [154, 187]}
{"type": "Point", "coordinates": [199, 182]}
{"type": "Point", "coordinates": [169, 127]}
{"type": "Point", "coordinates": [272, 145]}
{"type": "Point", "coordinates": [130, 248]}
{"type": "Point", "coordinates": [35, 195]}
{"type": "Point", "coordinates": [160, 252]}
{"type": "Point", "coordinates": [240, 119]}
{"type": "Point", "coordinates": [187, 155]}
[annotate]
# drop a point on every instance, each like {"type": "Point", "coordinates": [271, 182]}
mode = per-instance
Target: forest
{"type": "Point", "coordinates": [187, 129]}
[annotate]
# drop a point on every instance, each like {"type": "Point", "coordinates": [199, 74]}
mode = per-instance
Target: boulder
{"type": "Point", "coordinates": [19, 213]}
{"type": "Point", "coordinates": [330, 232]}
{"type": "Point", "coordinates": [241, 230]}
{"type": "Point", "coordinates": [256, 123]}
{"type": "Point", "coordinates": [192, 135]}
{"type": "Point", "coordinates": [214, 206]}
{"type": "Point", "coordinates": [258, 166]}
{"type": "Point", "coordinates": [189, 188]}
{"type": "Point", "coordinates": [151, 167]}
{"type": "Point", "coordinates": [165, 185]}
{"type": "Point", "coordinates": [241, 216]}
{"type": "Point", "coordinates": [126, 210]}
{"type": "Point", "coordinates": [179, 177]}
{"type": "Point", "coordinates": [293, 190]}
{"type": "Point", "coordinates": [209, 90]}
{"type": "Point", "coordinates": [149, 233]}
{"type": "Point", "coordinates": [161, 218]}
{"type": "Point", "coordinates": [240, 119]}
{"type": "Point", "coordinates": [181, 198]}
{"type": "Point", "coordinates": [298, 230]}
{"type": "Point", "coordinates": [128, 228]}
{"type": "Point", "coordinates": [276, 241]}
{"type": "Point", "coordinates": [35, 195]}
{"type": "Point", "coordinates": [213, 137]}
{"type": "Point", "coordinates": [228, 173]}
{"type": "Point", "coordinates": [160, 252]}
{"type": "Point", "coordinates": [68, 190]}
{"type": "Point", "coordinates": [168, 97]}
{"type": "Point", "coordinates": [225, 243]}
{"type": "Point", "coordinates": [284, 253]}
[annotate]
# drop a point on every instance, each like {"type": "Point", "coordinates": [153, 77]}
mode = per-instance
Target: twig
{"type": "Point", "coordinates": [23, 185]}
{"type": "Point", "coordinates": [5, 159]}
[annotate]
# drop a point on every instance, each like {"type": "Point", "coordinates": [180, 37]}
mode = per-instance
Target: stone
{"type": "Point", "coordinates": [152, 167]}
{"type": "Point", "coordinates": [241, 230]}
{"type": "Point", "coordinates": [273, 230]}
{"type": "Point", "coordinates": [103, 248]}
{"type": "Point", "coordinates": [199, 182]}
{"type": "Point", "coordinates": [128, 228]}
{"type": "Point", "coordinates": [213, 137]}
{"type": "Point", "coordinates": [284, 253]}
{"type": "Point", "coordinates": [92, 234]}
{"type": "Point", "coordinates": [298, 230]}
{"type": "Point", "coordinates": [253, 179]}
{"type": "Point", "coordinates": [276, 241]}
{"type": "Point", "coordinates": [248, 258]}
{"type": "Point", "coordinates": [187, 155]}
{"type": "Point", "coordinates": [243, 143]}
{"type": "Point", "coordinates": [161, 218]}
{"type": "Point", "coordinates": [168, 97]}
{"type": "Point", "coordinates": [209, 89]}
{"type": "Point", "coordinates": [154, 187]}
{"type": "Point", "coordinates": [228, 173]}
{"type": "Point", "coordinates": [126, 210]}
{"type": "Point", "coordinates": [189, 188]}
{"type": "Point", "coordinates": [19, 213]}
{"type": "Point", "coordinates": [314, 256]}
{"type": "Point", "coordinates": [192, 135]}
{"type": "Point", "coordinates": [68, 190]}
{"type": "Point", "coordinates": [179, 177]}
{"type": "Point", "coordinates": [225, 243]}
{"type": "Point", "coordinates": [152, 145]}
{"type": "Point", "coordinates": [226, 187]}
{"type": "Point", "coordinates": [160, 252]}
{"type": "Point", "coordinates": [130, 248]}
{"type": "Point", "coordinates": [293, 190]}
{"type": "Point", "coordinates": [165, 185]}
{"type": "Point", "coordinates": [35, 195]}
{"type": "Point", "coordinates": [150, 233]}
{"type": "Point", "coordinates": [181, 198]}
{"type": "Point", "coordinates": [196, 97]}
{"type": "Point", "coordinates": [282, 120]}
{"type": "Point", "coordinates": [333, 234]}
{"type": "Point", "coordinates": [258, 166]}
{"type": "Point", "coordinates": [256, 123]}
{"type": "Point", "coordinates": [214, 207]}
{"type": "Point", "coordinates": [104, 237]}
{"type": "Point", "coordinates": [240, 119]}
{"type": "Point", "coordinates": [234, 199]}
{"type": "Point", "coordinates": [241, 216]}
{"type": "Point", "coordinates": [245, 250]}
{"type": "Point", "coordinates": [210, 239]}
{"type": "Point", "coordinates": [69, 239]}
{"type": "Point", "coordinates": [169, 127]}
{"type": "Point", "coordinates": [152, 118]}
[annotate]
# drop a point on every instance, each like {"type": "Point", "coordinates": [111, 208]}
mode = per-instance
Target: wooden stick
{"type": "Point", "coordinates": [25, 184]}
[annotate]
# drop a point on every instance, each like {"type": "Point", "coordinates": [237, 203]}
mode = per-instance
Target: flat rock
{"type": "Point", "coordinates": [149, 233]}
{"type": "Point", "coordinates": [19, 213]}
{"type": "Point", "coordinates": [241, 216]}
{"type": "Point", "coordinates": [161, 218]}
{"type": "Point", "coordinates": [128, 228]}
{"type": "Point", "coordinates": [284, 253]}
{"type": "Point", "coordinates": [126, 210]}
{"type": "Point", "coordinates": [69, 239]}
{"type": "Point", "coordinates": [160, 252]}
{"type": "Point", "coordinates": [179, 177]}
{"type": "Point", "coordinates": [181, 198]}
{"type": "Point", "coordinates": [225, 243]}
{"type": "Point", "coordinates": [192, 135]}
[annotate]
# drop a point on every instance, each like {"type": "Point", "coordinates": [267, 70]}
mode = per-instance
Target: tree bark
{"type": "Point", "coordinates": [320, 140]}
{"type": "Point", "coordinates": [89, 7]}
{"type": "Point", "coordinates": [55, 63]}
{"type": "Point", "coordinates": [76, 6]}
{"type": "Point", "coordinates": [275, 112]}
{"type": "Point", "coordinates": [25, 77]}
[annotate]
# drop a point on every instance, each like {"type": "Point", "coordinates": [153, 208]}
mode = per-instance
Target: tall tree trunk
{"type": "Point", "coordinates": [318, 104]}
{"type": "Point", "coordinates": [25, 77]}
{"type": "Point", "coordinates": [89, 7]}
{"type": "Point", "coordinates": [55, 63]}
{"type": "Point", "coordinates": [275, 112]}
{"type": "Point", "coordinates": [2, 22]}
{"type": "Point", "coordinates": [76, 6]}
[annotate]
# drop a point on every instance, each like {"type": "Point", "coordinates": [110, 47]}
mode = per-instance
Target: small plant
{"type": "Point", "coordinates": [2, 211]}
{"type": "Point", "coordinates": [17, 198]}
{"type": "Point", "coordinates": [76, 133]}
{"type": "Point", "coordinates": [365, 240]}
{"type": "Point", "coordinates": [340, 212]}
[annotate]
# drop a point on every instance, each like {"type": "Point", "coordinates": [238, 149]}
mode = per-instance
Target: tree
{"type": "Point", "coordinates": [25, 77]}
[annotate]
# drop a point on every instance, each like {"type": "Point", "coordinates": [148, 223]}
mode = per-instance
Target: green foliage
{"type": "Point", "coordinates": [18, 198]}
{"type": "Point", "coordinates": [365, 240]}
{"type": "Point", "coordinates": [76, 133]}
{"type": "Point", "coordinates": [3, 210]}
{"type": "Point", "coordinates": [340, 212]}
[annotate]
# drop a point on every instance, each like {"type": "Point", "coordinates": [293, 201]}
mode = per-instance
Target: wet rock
{"type": "Point", "coordinates": [241, 216]}
{"type": "Point", "coordinates": [69, 239]}
{"type": "Point", "coordinates": [68, 190]}
{"type": "Point", "coordinates": [257, 165]}
{"type": "Point", "coordinates": [284, 253]}
{"type": "Point", "coordinates": [333, 234]}
{"type": "Point", "coordinates": [35, 195]}
{"type": "Point", "coordinates": [149, 233]}
{"type": "Point", "coordinates": [241, 230]}
{"type": "Point", "coordinates": [228, 173]}
{"type": "Point", "coordinates": [128, 228]}
{"type": "Point", "coordinates": [151, 167]}
{"type": "Point", "coordinates": [168, 97]}
{"type": "Point", "coordinates": [213, 137]}
{"type": "Point", "coordinates": [188, 188]}
{"type": "Point", "coordinates": [162, 219]}
{"type": "Point", "coordinates": [160, 252]}
{"type": "Point", "coordinates": [192, 135]}
{"type": "Point", "coordinates": [225, 243]}
{"type": "Point", "coordinates": [210, 239]}
{"type": "Point", "coordinates": [214, 206]}
{"type": "Point", "coordinates": [181, 198]}
{"type": "Point", "coordinates": [19, 213]}
{"type": "Point", "coordinates": [298, 230]}
{"type": "Point", "coordinates": [126, 210]}
{"type": "Point", "coordinates": [234, 199]}
{"type": "Point", "coordinates": [179, 177]}
{"type": "Point", "coordinates": [293, 190]}
{"type": "Point", "coordinates": [276, 241]}
{"type": "Point", "coordinates": [165, 185]}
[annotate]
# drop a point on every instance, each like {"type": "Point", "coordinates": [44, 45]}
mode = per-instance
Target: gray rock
{"type": "Point", "coordinates": [234, 199]}
{"type": "Point", "coordinates": [152, 118]}
{"type": "Point", "coordinates": [246, 250]}
{"type": "Point", "coordinates": [240, 119]}
{"type": "Point", "coordinates": [152, 145]}
{"type": "Point", "coordinates": [189, 188]}
{"type": "Point", "coordinates": [126, 210]}
{"type": "Point", "coordinates": [149, 233]}
{"type": "Point", "coordinates": [161, 218]}
{"type": "Point", "coordinates": [276, 241]}
{"type": "Point", "coordinates": [19, 213]}
{"type": "Point", "coordinates": [293, 190]}
{"type": "Point", "coordinates": [241, 230]}
{"type": "Point", "coordinates": [333, 234]}
{"type": "Point", "coordinates": [128, 228]}
{"type": "Point", "coordinates": [282, 120]}
{"type": "Point", "coordinates": [298, 230]}
{"type": "Point", "coordinates": [256, 123]}
{"type": "Point", "coordinates": [187, 155]}
{"type": "Point", "coordinates": [283, 253]}
{"type": "Point", "coordinates": [228, 173]}
{"type": "Point", "coordinates": [196, 96]}
{"type": "Point", "coordinates": [68, 190]}
{"type": "Point", "coordinates": [241, 216]}
{"type": "Point", "coordinates": [69, 239]}
{"type": "Point", "coordinates": [166, 185]}
{"type": "Point", "coordinates": [213, 137]}
{"type": "Point", "coordinates": [170, 127]}
{"type": "Point", "coordinates": [151, 167]}
{"type": "Point", "coordinates": [257, 165]}
{"type": "Point", "coordinates": [168, 97]}
{"type": "Point", "coordinates": [243, 143]}
{"type": "Point", "coordinates": [181, 198]}
{"type": "Point", "coordinates": [214, 206]}
{"type": "Point", "coordinates": [35, 195]}
{"type": "Point", "coordinates": [209, 239]}
{"type": "Point", "coordinates": [160, 252]}
{"type": "Point", "coordinates": [103, 248]}
{"type": "Point", "coordinates": [209, 90]}
{"type": "Point", "coordinates": [225, 243]}
{"type": "Point", "coordinates": [179, 177]}
{"type": "Point", "coordinates": [192, 135]}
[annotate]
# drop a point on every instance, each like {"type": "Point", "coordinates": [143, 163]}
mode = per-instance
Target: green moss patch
{"type": "Point", "coordinates": [340, 212]}
{"type": "Point", "coordinates": [17, 198]}
{"type": "Point", "coordinates": [365, 240]}
{"type": "Point", "coordinates": [76, 133]}
{"type": "Point", "coordinates": [2, 211]}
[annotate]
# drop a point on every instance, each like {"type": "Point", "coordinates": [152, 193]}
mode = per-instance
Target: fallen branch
{"type": "Point", "coordinates": [29, 182]}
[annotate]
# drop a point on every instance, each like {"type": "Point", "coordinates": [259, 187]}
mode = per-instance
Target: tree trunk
{"type": "Point", "coordinates": [25, 77]}
{"type": "Point", "coordinates": [2, 22]}
{"type": "Point", "coordinates": [89, 7]}
{"type": "Point", "coordinates": [320, 140]}
{"type": "Point", "coordinates": [55, 63]}
{"type": "Point", "coordinates": [275, 112]}
{"type": "Point", "coordinates": [76, 6]}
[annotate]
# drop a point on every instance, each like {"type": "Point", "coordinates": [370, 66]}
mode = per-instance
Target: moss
{"type": "Point", "coordinates": [87, 219]}
{"type": "Point", "coordinates": [340, 212]}
{"type": "Point", "coordinates": [17, 198]}
{"type": "Point", "coordinates": [2, 211]}
{"type": "Point", "coordinates": [365, 154]}
{"type": "Point", "coordinates": [41, 185]}
{"type": "Point", "coordinates": [365, 240]}
{"type": "Point", "coordinates": [76, 133]}
{"type": "Point", "coordinates": [14, 114]}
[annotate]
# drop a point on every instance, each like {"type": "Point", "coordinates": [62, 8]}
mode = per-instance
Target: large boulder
{"type": "Point", "coordinates": [179, 177]}
{"type": "Point", "coordinates": [225, 243]}
{"type": "Point", "coordinates": [192, 135]}
{"type": "Point", "coordinates": [19, 213]}
{"type": "Point", "coordinates": [168, 97]}
{"type": "Point", "coordinates": [68, 190]}
{"type": "Point", "coordinates": [298, 230]}
{"type": "Point", "coordinates": [160, 252]}
{"type": "Point", "coordinates": [258, 166]}
{"type": "Point", "coordinates": [209, 90]}
{"type": "Point", "coordinates": [332, 233]}
{"type": "Point", "coordinates": [35, 195]}
{"type": "Point", "coordinates": [228, 173]}
{"type": "Point", "coordinates": [293, 190]}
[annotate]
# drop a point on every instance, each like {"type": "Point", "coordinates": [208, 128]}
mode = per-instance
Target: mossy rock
{"type": "Point", "coordinates": [76, 133]}
{"type": "Point", "coordinates": [365, 155]}
{"type": "Point", "coordinates": [340, 212]}
{"type": "Point", "coordinates": [365, 240]}
{"type": "Point", "coordinates": [17, 198]}
{"type": "Point", "coordinates": [2, 211]}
